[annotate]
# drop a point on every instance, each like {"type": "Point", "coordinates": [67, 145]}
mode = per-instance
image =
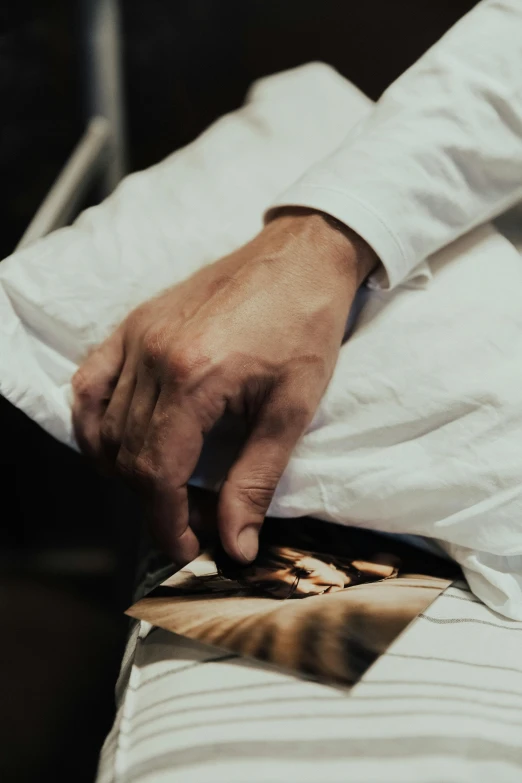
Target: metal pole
{"type": "Point", "coordinates": [61, 203]}
{"type": "Point", "coordinates": [103, 74]}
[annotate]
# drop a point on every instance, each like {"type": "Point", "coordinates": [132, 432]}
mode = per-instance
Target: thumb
{"type": "Point", "coordinates": [252, 481]}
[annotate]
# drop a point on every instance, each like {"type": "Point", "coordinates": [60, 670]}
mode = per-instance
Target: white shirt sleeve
{"type": "Point", "coordinates": [441, 152]}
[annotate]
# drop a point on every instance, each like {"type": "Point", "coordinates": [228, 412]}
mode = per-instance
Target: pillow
{"type": "Point", "coordinates": [419, 432]}
{"type": "Point", "coordinates": [63, 294]}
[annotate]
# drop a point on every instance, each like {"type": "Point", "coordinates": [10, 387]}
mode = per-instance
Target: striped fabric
{"type": "Point", "coordinates": [444, 705]}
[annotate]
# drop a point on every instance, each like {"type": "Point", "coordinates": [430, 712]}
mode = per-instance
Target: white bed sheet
{"type": "Point", "coordinates": [419, 432]}
{"type": "Point", "coordinates": [444, 705]}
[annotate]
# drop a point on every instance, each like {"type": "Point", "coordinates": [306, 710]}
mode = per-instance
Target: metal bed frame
{"type": "Point", "coordinates": [99, 156]}
{"type": "Point", "coordinates": [100, 153]}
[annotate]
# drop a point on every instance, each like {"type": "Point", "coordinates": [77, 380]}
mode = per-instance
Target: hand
{"type": "Point", "coordinates": [256, 333]}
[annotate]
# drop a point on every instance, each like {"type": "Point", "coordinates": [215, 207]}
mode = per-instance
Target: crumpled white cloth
{"type": "Point", "coordinates": [420, 431]}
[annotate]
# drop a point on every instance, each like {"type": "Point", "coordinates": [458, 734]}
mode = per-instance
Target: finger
{"type": "Point", "coordinates": [93, 385]}
{"type": "Point", "coordinates": [114, 419]}
{"type": "Point", "coordinates": [251, 483]}
{"type": "Point", "coordinates": [167, 460]}
{"type": "Point", "coordinates": [167, 508]}
{"type": "Point", "coordinates": [138, 418]}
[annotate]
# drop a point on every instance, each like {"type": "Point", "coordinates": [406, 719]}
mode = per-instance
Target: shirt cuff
{"type": "Point", "coordinates": [360, 217]}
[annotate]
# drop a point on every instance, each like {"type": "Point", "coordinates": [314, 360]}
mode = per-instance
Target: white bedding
{"type": "Point", "coordinates": [444, 705]}
{"type": "Point", "coordinates": [420, 430]}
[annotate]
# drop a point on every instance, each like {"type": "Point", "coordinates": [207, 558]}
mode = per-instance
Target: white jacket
{"type": "Point", "coordinates": [441, 152]}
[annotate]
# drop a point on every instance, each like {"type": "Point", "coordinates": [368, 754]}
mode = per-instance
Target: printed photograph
{"type": "Point", "coordinates": [322, 600]}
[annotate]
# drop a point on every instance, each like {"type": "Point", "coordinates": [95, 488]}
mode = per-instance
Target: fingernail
{"type": "Point", "coordinates": [248, 542]}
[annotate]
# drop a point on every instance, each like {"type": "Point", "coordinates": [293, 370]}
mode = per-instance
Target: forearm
{"type": "Point", "coordinates": [441, 152]}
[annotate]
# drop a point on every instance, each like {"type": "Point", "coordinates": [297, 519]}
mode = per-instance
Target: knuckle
{"type": "Point", "coordinates": [255, 497]}
{"type": "Point", "coordinates": [153, 347]}
{"type": "Point", "coordinates": [257, 491]}
{"type": "Point", "coordinates": [185, 361]}
{"type": "Point", "coordinates": [136, 469]}
{"type": "Point", "coordinates": [144, 472]}
{"type": "Point", "coordinates": [83, 384]}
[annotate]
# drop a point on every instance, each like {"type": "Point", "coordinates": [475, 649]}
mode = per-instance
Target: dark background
{"type": "Point", "coordinates": [185, 63]}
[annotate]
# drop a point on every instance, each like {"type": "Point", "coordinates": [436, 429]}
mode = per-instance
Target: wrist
{"type": "Point", "coordinates": [330, 237]}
